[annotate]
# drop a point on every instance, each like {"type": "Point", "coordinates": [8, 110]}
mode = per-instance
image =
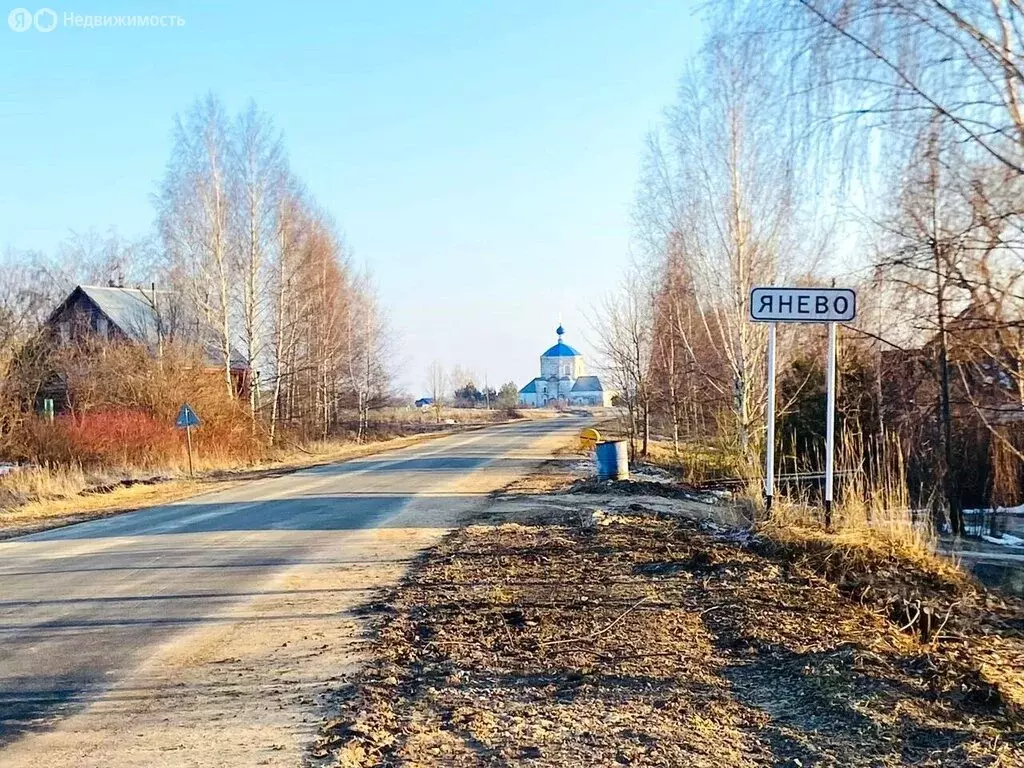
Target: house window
{"type": "Point", "coordinates": [64, 329]}
{"type": "Point", "coordinates": [102, 327]}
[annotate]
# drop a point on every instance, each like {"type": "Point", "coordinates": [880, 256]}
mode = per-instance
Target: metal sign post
{"type": "Point", "coordinates": [188, 440]}
{"type": "Point", "coordinates": [187, 419]}
{"type": "Point", "coordinates": [802, 305]}
{"type": "Point", "coordinates": [769, 451]}
{"type": "Point", "coordinates": [830, 422]}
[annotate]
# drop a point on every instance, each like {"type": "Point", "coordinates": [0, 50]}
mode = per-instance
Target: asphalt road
{"type": "Point", "coordinates": [84, 608]}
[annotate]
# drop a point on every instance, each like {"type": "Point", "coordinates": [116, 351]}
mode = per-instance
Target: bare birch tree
{"type": "Point", "coordinates": [286, 299]}
{"type": "Point", "coordinates": [716, 211]}
{"type": "Point", "coordinates": [367, 361]}
{"type": "Point", "coordinates": [258, 178]}
{"type": "Point", "coordinates": [194, 209]}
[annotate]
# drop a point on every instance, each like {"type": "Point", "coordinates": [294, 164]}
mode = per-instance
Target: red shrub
{"type": "Point", "coordinates": [123, 406]}
{"type": "Point", "coordinates": [120, 438]}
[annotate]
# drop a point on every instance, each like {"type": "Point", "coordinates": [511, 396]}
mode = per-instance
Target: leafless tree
{"type": "Point", "coordinates": [626, 332]}
{"type": "Point", "coordinates": [437, 382]}
{"type": "Point", "coordinates": [194, 209]}
{"type": "Point", "coordinates": [258, 178]}
{"type": "Point", "coordinates": [715, 212]}
{"type": "Point", "coordinates": [367, 363]}
{"type": "Point", "coordinates": [901, 64]}
{"type": "Point", "coordinates": [929, 244]}
{"type": "Point", "coordinates": [287, 300]}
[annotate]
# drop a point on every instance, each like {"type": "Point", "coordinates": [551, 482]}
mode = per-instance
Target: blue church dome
{"type": "Point", "coordinates": [561, 349]}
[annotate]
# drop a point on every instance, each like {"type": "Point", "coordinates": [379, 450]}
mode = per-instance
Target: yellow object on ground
{"type": "Point", "coordinates": [589, 438]}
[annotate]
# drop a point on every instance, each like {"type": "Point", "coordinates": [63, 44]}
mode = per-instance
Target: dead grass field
{"type": "Point", "coordinates": [570, 628]}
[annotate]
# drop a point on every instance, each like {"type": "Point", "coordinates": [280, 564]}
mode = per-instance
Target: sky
{"type": "Point", "coordinates": [481, 158]}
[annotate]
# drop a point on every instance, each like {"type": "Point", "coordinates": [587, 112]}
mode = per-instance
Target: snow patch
{"type": "Point", "coordinates": [1005, 540]}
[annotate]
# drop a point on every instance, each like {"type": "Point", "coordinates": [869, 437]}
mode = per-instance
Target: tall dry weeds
{"type": "Point", "coordinates": [23, 484]}
{"type": "Point", "coordinates": [872, 500]}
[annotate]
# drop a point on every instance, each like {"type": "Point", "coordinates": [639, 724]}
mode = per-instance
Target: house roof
{"type": "Point", "coordinates": [587, 384]}
{"type": "Point", "coordinates": [131, 309]}
{"type": "Point", "coordinates": [137, 313]}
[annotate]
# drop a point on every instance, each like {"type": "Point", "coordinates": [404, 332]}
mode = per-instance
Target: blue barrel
{"type": "Point", "coordinates": [612, 460]}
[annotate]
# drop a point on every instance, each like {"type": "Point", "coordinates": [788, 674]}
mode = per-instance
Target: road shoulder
{"type": "Point", "coordinates": [584, 629]}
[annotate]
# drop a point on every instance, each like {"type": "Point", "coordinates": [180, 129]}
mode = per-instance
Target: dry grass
{"type": "Point", "coordinates": [921, 592]}
{"type": "Point", "coordinates": [873, 533]}
{"type": "Point", "coordinates": [696, 461]}
{"type": "Point", "coordinates": [850, 551]}
{"type": "Point", "coordinates": [853, 518]}
{"type": "Point", "coordinates": [650, 640]}
{"type": "Point", "coordinates": [873, 509]}
{"type": "Point", "coordinates": [25, 484]}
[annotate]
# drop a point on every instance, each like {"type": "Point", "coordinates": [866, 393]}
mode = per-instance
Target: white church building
{"type": "Point", "coordinates": [563, 380]}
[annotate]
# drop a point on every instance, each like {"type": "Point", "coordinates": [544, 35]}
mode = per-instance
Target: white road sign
{"type": "Point", "coordinates": [803, 305]}
{"type": "Point", "coordinates": [773, 305]}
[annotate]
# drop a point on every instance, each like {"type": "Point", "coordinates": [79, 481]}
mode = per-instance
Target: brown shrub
{"type": "Point", "coordinates": [122, 405]}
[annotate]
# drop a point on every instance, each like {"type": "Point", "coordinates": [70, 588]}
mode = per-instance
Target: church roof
{"type": "Point", "coordinates": [529, 389]}
{"type": "Point", "coordinates": [587, 384]}
{"type": "Point", "coordinates": [561, 349]}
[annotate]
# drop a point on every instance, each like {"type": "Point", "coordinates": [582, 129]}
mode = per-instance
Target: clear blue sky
{"type": "Point", "coordinates": [480, 157]}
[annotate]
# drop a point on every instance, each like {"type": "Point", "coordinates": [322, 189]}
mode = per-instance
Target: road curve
{"type": "Point", "coordinates": [209, 630]}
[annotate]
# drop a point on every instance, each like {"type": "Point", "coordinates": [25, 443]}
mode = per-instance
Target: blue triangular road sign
{"type": "Point", "coordinates": [187, 417]}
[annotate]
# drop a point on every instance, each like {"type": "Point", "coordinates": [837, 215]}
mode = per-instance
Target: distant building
{"type": "Point", "coordinates": [424, 402]}
{"type": "Point", "coordinates": [151, 319]}
{"type": "Point", "coordinates": [563, 380]}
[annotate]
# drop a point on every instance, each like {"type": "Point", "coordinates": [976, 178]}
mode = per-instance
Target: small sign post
{"type": "Point", "coordinates": [186, 420]}
{"type": "Point", "coordinates": [769, 455]}
{"type": "Point", "coordinates": [830, 422]}
{"type": "Point", "coordinates": [773, 305]}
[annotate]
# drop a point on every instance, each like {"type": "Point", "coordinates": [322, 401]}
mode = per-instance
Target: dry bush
{"type": "Point", "coordinates": [122, 407]}
{"type": "Point", "coordinates": [879, 549]}
{"type": "Point", "coordinates": [849, 555]}
{"type": "Point", "coordinates": [698, 462]}
{"type": "Point", "coordinates": [122, 438]}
